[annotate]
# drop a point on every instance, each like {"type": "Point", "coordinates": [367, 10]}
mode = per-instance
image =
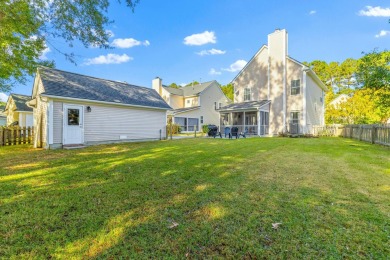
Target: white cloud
{"type": "Point", "coordinates": [236, 66]}
{"type": "Point", "coordinates": [128, 43]}
{"type": "Point", "coordinates": [108, 59]}
{"type": "Point", "coordinates": [3, 97]}
{"type": "Point", "coordinates": [110, 33]}
{"type": "Point", "coordinates": [211, 52]}
{"type": "Point", "coordinates": [312, 12]}
{"type": "Point", "coordinates": [376, 11]}
{"type": "Point", "coordinates": [214, 72]}
{"type": "Point", "coordinates": [200, 38]}
{"type": "Point", "coordinates": [44, 52]}
{"type": "Point", "coordinates": [382, 34]}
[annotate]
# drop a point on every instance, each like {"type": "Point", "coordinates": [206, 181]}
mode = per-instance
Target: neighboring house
{"type": "Point", "coordinates": [338, 100]}
{"type": "Point", "coordinates": [3, 116]}
{"type": "Point", "coordinates": [274, 93]}
{"type": "Point", "coordinates": [72, 109]}
{"type": "Point", "coordinates": [17, 111]}
{"type": "Point", "coordinates": [193, 106]}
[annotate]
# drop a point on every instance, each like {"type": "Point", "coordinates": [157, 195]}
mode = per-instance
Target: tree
{"type": "Point", "coordinates": [358, 109]}
{"type": "Point", "coordinates": [228, 90]}
{"type": "Point", "coordinates": [373, 72]}
{"type": "Point", "coordinates": [174, 85]}
{"type": "Point", "coordinates": [366, 80]}
{"type": "Point", "coordinates": [193, 83]}
{"type": "Point", "coordinates": [28, 27]}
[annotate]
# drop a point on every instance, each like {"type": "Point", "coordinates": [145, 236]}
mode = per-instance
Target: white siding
{"type": "Point", "coordinates": [57, 122]}
{"type": "Point", "coordinates": [105, 123]}
{"type": "Point", "coordinates": [40, 117]}
{"type": "Point", "coordinates": [314, 106]}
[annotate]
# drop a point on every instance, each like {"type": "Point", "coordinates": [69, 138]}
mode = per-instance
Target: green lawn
{"type": "Point", "coordinates": [331, 195]}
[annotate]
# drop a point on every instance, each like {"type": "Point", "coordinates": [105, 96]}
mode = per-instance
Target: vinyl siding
{"type": "Point", "coordinates": [107, 123]}
{"type": "Point", "coordinates": [314, 106]}
{"type": "Point", "coordinates": [255, 77]}
{"type": "Point", "coordinates": [191, 102]}
{"type": "Point", "coordinates": [57, 122]}
{"type": "Point", "coordinates": [40, 118]}
{"type": "Point", "coordinates": [207, 98]}
{"type": "Point", "coordinates": [12, 115]}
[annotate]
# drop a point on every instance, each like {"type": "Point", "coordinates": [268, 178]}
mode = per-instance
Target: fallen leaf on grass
{"type": "Point", "coordinates": [276, 225]}
{"type": "Point", "coordinates": [173, 225]}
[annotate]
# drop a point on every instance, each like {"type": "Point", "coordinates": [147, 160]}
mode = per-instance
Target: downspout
{"type": "Point", "coordinates": [304, 109]}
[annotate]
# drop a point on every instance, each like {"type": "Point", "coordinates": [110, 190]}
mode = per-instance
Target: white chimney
{"type": "Point", "coordinates": [157, 85]}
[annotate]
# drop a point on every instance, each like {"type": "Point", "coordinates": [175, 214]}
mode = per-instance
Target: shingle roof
{"type": "Point", "coordinates": [245, 105]}
{"type": "Point", "coordinates": [189, 90]}
{"type": "Point", "coordinates": [67, 84]}
{"type": "Point", "coordinates": [20, 102]}
{"type": "Point", "coordinates": [182, 110]}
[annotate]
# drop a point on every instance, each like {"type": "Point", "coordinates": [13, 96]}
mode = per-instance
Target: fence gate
{"type": "Point", "coordinates": [16, 135]}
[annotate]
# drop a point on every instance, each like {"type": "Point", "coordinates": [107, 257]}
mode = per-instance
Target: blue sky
{"type": "Point", "coordinates": [182, 41]}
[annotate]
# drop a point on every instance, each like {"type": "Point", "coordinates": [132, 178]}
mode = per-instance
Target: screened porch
{"type": "Point", "coordinates": [249, 122]}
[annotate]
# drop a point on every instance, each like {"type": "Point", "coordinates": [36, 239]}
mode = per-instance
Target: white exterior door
{"type": "Point", "coordinates": [73, 124]}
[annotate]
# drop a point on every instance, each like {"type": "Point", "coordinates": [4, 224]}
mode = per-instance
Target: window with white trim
{"type": "Point", "coordinates": [247, 94]}
{"type": "Point", "coordinates": [201, 119]}
{"type": "Point", "coordinates": [219, 105]}
{"type": "Point", "coordinates": [295, 87]}
{"type": "Point", "coordinates": [215, 105]}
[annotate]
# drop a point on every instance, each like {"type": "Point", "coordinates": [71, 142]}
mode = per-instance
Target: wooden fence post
{"type": "Point", "coordinates": [171, 129]}
{"type": "Point", "coordinates": [373, 134]}
{"type": "Point", "coordinates": [1, 136]}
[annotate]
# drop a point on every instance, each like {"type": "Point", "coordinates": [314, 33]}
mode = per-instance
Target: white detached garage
{"type": "Point", "coordinates": [72, 109]}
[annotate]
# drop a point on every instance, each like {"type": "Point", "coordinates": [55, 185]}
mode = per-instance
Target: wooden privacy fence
{"type": "Point", "coordinates": [375, 134]}
{"type": "Point", "coordinates": [327, 130]}
{"type": "Point", "coordinates": [16, 135]}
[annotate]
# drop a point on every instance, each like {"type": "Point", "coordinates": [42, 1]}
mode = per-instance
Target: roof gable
{"type": "Point", "coordinates": [64, 84]}
{"type": "Point", "coordinates": [250, 61]}
{"type": "Point", "coordinates": [20, 102]}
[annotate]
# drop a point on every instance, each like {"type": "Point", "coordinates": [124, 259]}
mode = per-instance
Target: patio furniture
{"type": "Point", "coordinates": [234, 132]}
{"type": "Point", "coordinates": [213, 131]}
{"type": "Point", "coordinates": [243, 134]}
{"type": "Point", "coordinates": [227, 132]}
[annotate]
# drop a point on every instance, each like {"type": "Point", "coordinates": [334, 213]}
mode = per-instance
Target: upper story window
{"type": "Point", "coordinates": [295, 87]}
{"type": "Point", "coordinates": [219, 105]}
{"type": "Point", "coordinates": [215, 105]}
{"type": "Point", "coordinates": [237, 93]}
{"type": "Point", "coordinates": [247, 94]}
{"type": "Point", "coordinates": [188, 101]}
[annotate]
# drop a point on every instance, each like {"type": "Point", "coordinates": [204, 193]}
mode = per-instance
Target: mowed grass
{"type": "Point", "coordinates": [332, 196]}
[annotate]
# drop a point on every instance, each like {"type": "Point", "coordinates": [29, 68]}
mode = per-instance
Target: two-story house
{"type": "Point", "coordinates": [17, 111]}
{"type": "Point", "coordinates": [194, 105]}
{"type": "Point", "coordinates": [275, 93]}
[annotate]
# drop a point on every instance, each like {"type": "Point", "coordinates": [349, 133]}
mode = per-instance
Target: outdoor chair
{"type": "Point", "coordinates": [243, 134]}
{"type": "Point", "coordinates": [227, 132]}
{"type": "Point", "coordinates": [234, 132]}
{"type": "Point", "coordinates": [213, 131]}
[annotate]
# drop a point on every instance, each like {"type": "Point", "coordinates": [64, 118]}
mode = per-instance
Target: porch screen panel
{"type": "Point", "coordinates": [182, 121]}
{"type": "Point", "coordinates": [193, 124]}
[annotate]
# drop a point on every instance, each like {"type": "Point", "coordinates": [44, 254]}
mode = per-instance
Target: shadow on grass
{"type": "Point", "coordinates": [123, 200]}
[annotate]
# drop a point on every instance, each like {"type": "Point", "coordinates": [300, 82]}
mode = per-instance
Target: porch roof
{"type": "Point", "coordinates": [249, 105]}
{"type": "Point", "coordinates": [182, 110]}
